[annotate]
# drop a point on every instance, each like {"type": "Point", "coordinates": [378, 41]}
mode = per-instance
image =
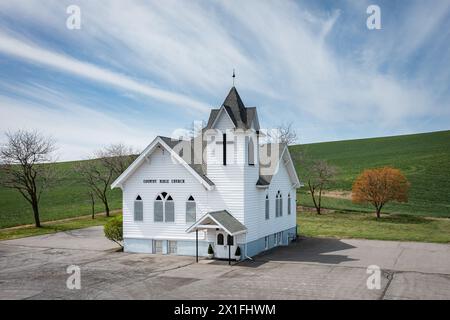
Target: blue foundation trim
{"type": "Point", "coordinates": [259, 245]}
{"type": "Point", "coordinates": [187, 247]}
{"type": "Point", "coordinates": [184, 247]}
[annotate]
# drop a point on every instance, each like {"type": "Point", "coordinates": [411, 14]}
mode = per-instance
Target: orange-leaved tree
{"type": "Point", "coordinates": [379, 186]}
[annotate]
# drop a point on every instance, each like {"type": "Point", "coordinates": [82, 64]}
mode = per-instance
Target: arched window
{"type": "Point", "coordinates": [191, 210]}
{"type": "Point", "coordinates": [169, 210]}
{"type": "Point", "coordinates": [164, 208]}
{"type": "Point", "coordinates": [267, 207]}
{"type": "Point", "coordinates": [279, 204]}
{"type": "Point", "coordinates": [138, 209]}
{"type": "Point", "coordinates": [220, 239]}
{"type": "Point", "coordinates": [289, 203]}
{"type": "Point", "coordinates": [250, 152]}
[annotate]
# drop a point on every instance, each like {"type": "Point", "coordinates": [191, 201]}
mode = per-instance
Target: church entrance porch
{"type": "Point", "coordinates": [225, 228]}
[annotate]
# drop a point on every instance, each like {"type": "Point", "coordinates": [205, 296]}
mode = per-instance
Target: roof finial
{"type": "Point", "coordinates": [234, 76]}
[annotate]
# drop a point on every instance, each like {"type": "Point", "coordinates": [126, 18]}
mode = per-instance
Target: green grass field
{"type": "Point", "coordinates": [346, 224]}
{"type": "Point", "coordinates": [423, 158]}
{"type": "Point", "coordinates": [67, 198]}
{"type": "Point", "coordinates": [56, 226]}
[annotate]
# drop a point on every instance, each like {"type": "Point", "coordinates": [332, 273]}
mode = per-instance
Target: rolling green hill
{"type": "Point", "coordinates": [423, 158]}
{"type": "Point", "coordinates": [67, 198]}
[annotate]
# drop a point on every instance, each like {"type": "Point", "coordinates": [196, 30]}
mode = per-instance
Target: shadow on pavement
{"type": "Point", "coordinates": [318, 250]}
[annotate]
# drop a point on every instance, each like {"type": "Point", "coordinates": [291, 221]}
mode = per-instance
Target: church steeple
{"type": "Point", "coordinates": [235, 106]}
{"type": "Point", "coordinates": [242, 117]}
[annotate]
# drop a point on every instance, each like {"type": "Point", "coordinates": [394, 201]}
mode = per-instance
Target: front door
{"type": "Point", "coordinates": [224, 243]}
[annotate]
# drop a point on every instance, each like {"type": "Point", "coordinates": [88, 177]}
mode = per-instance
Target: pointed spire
{"type": "Point", "coordinates": [234, 103]}
{"type": "Point", "coordinates": [233, 100]}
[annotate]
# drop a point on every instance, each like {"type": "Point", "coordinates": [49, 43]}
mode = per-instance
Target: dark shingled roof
{"type": "Point", "coordinates": [241, 116]}
{"type": "Point", "coordinates": [228, 221]}
{"type": "Point", "coordinates": [200, 168]}
{"type": "Point", "coordinates": [212, 117]}
{"type": "Point", "coordinates": [235, 107]}
{"type": "Point", "coordinates": [265, 179]}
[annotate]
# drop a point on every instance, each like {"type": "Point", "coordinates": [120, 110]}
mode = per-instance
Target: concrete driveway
{"type": "Point", "coordinates": [91, 239]}
{"type": "Point", "coordinates": [35, 268]}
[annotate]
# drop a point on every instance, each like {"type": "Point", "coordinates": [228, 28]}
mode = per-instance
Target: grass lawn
{"type": "Point", "coordinates": [349, 224]}
{"type": "Point", "coordinates": [423, 158]}
{"type": "Point", "coordinates": [56, 226]}
{"type": "Point", "coordinates": [67, 198]}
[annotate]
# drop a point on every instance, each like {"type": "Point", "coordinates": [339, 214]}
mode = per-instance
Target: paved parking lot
{"type": "Point", "coordinates": [35, 268]}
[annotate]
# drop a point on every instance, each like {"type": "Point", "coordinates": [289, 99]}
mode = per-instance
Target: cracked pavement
{"type": "Point", "coordinates": [311, 268]}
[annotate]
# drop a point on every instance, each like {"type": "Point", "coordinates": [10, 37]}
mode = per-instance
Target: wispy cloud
{"type": "Point", "coordinates": [78, 129]}
{"type": "Point", "coordinates": [36, 54]}
{"type": "Point", "coordinates": [309, 62]}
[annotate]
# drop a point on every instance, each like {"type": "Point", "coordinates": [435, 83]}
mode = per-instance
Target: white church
{"type": "Point", "coordinates": [223, 189]}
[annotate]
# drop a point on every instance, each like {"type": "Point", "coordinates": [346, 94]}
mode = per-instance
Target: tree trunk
{"type": "Point", "coordinates": [37, 220]}
{"type": "Point", "coordinates": [378, 213]}
{"type": "Point", "coordinates": [107, 208]}
{"type": "Point", "coordinates": [319, 207]}
{"type": "Point", "coordinates": [311, 189]}
{"type": "Point", "coordinates": [93, 207]}
{"type": "Point", "coordinates": [379, 207]}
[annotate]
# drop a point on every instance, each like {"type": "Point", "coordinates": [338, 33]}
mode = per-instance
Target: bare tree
{"type": "Point", "coordinates": [194, 129]}
{"type": "Point", "coordinates": [117, 157]}
{"type": "Point", "coordinates": [318, 175]}
{"type": "Point", "coordinates": [283, 133]}
{"type": "Point", "coordinates": [97, 178]}
{"type": "Point", "coordinates": [92, 199]}
{"type": "Point", "coordinates": [100, 170]}
{"type": "Point", "coordinates": [24, 166]}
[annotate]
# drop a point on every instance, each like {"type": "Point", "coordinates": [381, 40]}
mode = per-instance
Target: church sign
{"type": "Point", "coordinates": [163, 181]}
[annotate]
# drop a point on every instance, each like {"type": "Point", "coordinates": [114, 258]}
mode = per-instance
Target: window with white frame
{"type": "Point", "coordinates": [157, 246]}
{"type": "Point", "coordinates": [191, 209]}
{"type": "Point", "coordinates": [289, 203]}
{"type": "Point", "coordinates": [267, 207]}
{"type": "Point", "coordinates": [138, 209]}
{"type": "Point", "coordinates": [279, 238]}
{"type": "Point", "coordinates": [164, 208]}
{"type": "Point", "coordinates": [274, 239]}
{"type": "Point", "coordinates": [281, 204]}
{"type": "Point", "coordinates": [172, 247]}
{"type": "Point", "coordinates": [266, 242]}
{"type": "Point", "coordinates": [278, 204]}
{"type": "Point", "coordinates": [250, 151]}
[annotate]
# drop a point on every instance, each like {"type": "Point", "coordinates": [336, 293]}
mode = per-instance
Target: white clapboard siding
{"type": "Point", "coordinates": [229, 179]}
{"type": "Point", "coordinates": [255, 220]}
{"type": "Point", "coordinates": [161, 166]}
{"type": "Point", "coordinates": [223, 122]}
{"type": "Point", "coordinates": [234, 190]}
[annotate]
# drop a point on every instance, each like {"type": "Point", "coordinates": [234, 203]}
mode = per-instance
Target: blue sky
{"type": "Point", "coordinates": [136, 69]}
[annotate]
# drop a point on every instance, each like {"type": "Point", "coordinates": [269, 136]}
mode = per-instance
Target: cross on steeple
{"type": "Point", "coordinates": [234, 76]}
